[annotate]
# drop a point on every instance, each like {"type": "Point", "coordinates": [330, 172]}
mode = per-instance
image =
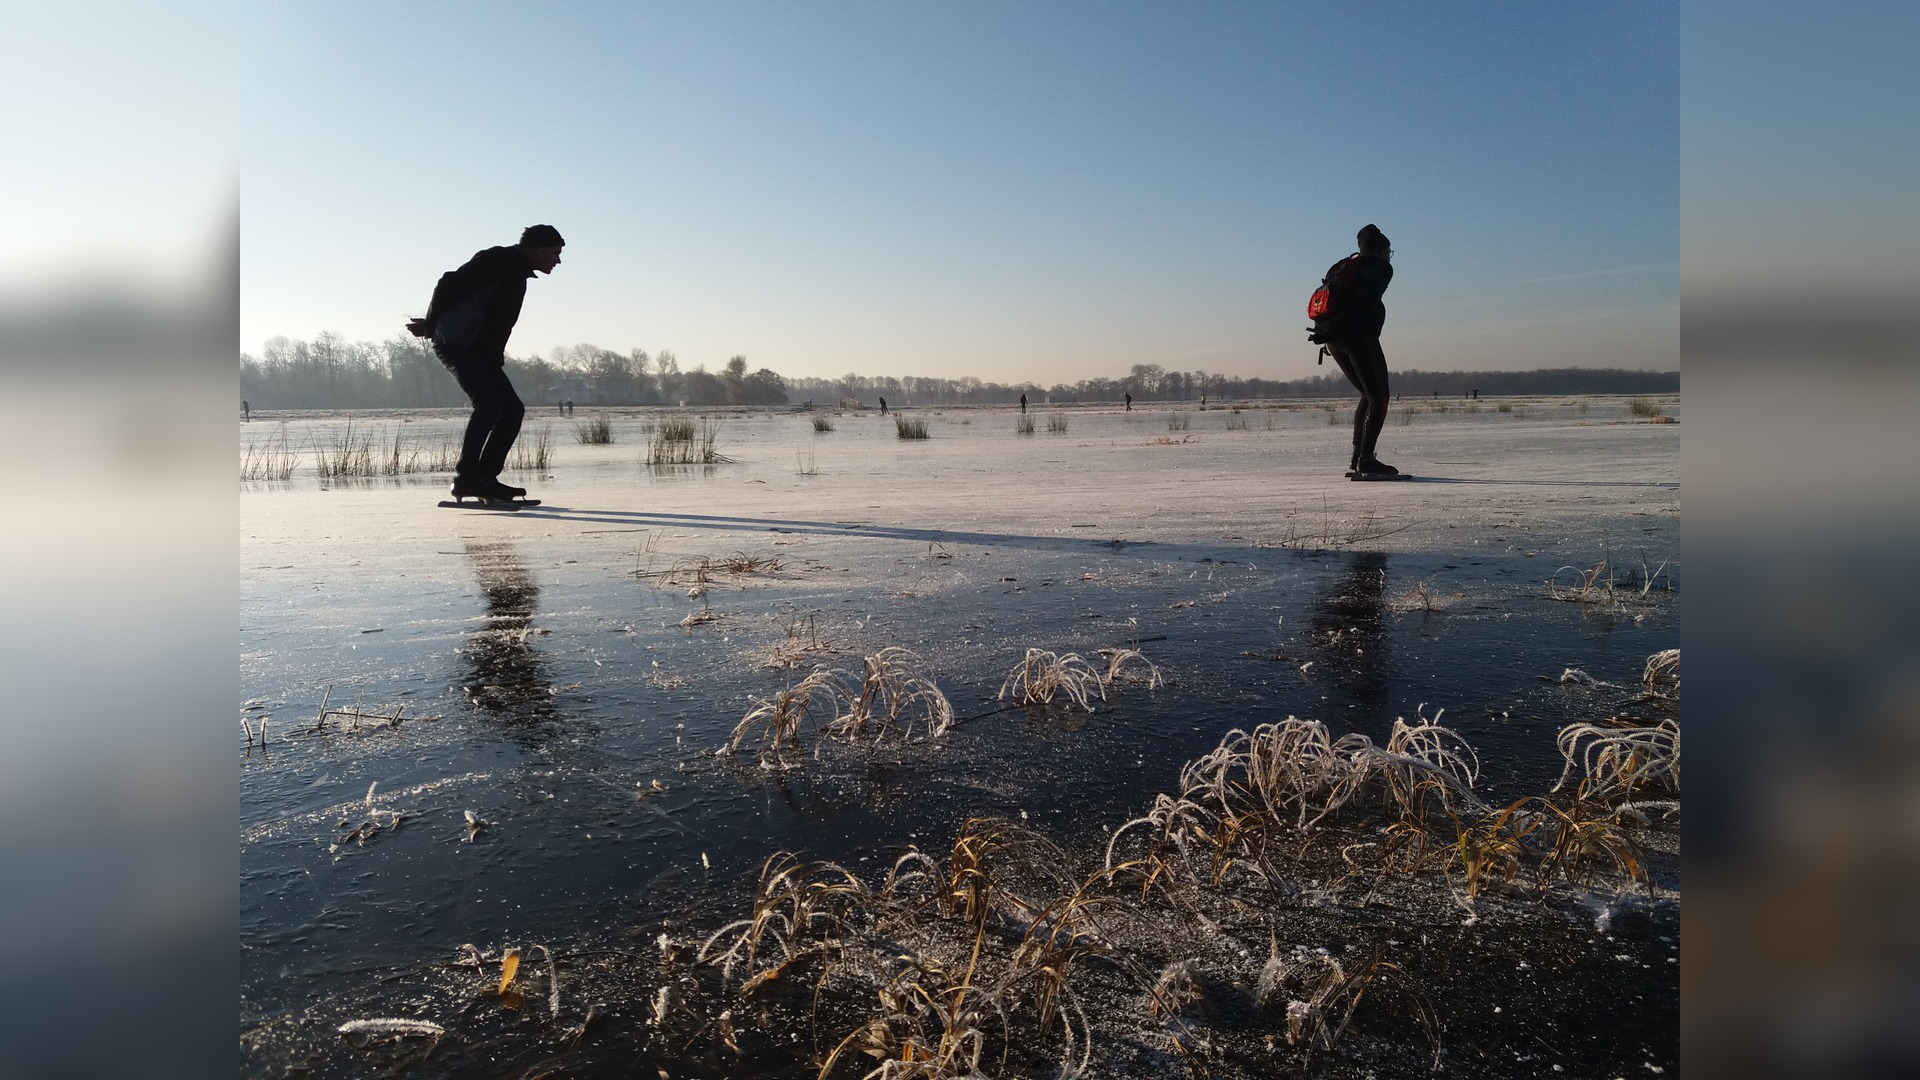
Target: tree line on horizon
{"type": "Point", "coordinates": [331, 373]}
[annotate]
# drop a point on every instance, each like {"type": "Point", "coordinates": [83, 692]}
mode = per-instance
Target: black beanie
{"type": "Point", "coordinates": [541, 236]}
{"type": "Point", "coordinates": [1371, 239]}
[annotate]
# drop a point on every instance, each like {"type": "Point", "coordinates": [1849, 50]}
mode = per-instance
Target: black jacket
{"type": "Point", "coordinates": [1359, 311]}
{"type": "Point", "coordinates": [474, 308]}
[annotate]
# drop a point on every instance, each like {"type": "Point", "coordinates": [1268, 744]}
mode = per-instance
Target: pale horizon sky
{"type": "Point", "coordinates": [1045, 192]}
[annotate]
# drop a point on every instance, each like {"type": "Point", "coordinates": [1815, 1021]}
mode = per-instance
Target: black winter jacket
{"type": "Point", "coordinates": [1360, 311]}
{"type": "Point", "coordinates": [474, 308]}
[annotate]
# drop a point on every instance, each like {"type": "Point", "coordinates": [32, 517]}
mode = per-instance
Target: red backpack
{"type": "Point", "coordinates": [1325, 299]}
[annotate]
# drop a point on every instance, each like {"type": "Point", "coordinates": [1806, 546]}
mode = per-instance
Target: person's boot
{"type": "Point", "coordinates": [1353, 463]}
{"type": "Point", "coordinates": [498, 490]}
{"type": "Point", "coordinates": [1370, 467]}
{"type": "Point", "coordinates": [470, 489]}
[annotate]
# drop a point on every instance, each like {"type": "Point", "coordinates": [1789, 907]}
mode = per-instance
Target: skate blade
{"type": "Point", "coordinates": [483, 504]}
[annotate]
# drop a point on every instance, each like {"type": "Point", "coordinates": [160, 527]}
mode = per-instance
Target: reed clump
{"type": "Point", "coordinates": [358, 453]}
{"type": "Point", "coordinates": [892, 702]}
{"type": "Point", "coordinates": [597, 431]}
{"type": "Point", "coordinates": [1179, 421]}
{"type": "Point", "coordinates": [1546, 839]}
{"type": "Point", "coordinates": [1023, 424]}
{"type": "Point", "coordinates": [988, 960]}
{"type": "Point", "coordinates": [679, 442]}
{"type": "Point", "coordinates": [905, 428]}
{"type": "Point", "coordinates": [778, 723]}
{"type": "Point", "coordinates": [1330, 993]}
{"type": "Point", "coordinates": [1620, 763]}
{"type": "Point", "coordinates": [699, 571]}
{"type": "Point", "coordinates": [1422, 598]}
{"type": "Point", "coordinates": [964, 967]}
{"type": "Point", "coordinates": [1041, 678]}
{"type": "Point", "coordinates": [985, 962]}
{"type": "Point", "coordinates": [1057, 423]}
{"type": "Point", "coordinates": [1602, 585]}
{"type": "Point", "coordinates": [535, 454]}
{"type": "Point", "coordinates": [268, 461]}
{"type": "Point", "coordinates": [347, 456]}
{"type": "Point", "coordinates": [1662, 674]}
{"type": "Point", "coordinates": [822, 425]}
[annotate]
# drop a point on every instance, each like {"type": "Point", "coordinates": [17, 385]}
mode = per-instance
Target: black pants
{"type": "Point", "coordinates": [1365, 366]}
{"type": "Point", "coordinates": [497, 413]}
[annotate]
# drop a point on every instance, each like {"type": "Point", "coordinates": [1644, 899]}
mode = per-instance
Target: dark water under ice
{"type": "Point", "coordinates": [554, 701]}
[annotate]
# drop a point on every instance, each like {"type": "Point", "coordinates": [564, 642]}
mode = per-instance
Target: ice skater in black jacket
{"type": "Point", "coordinates": [1351, 333]}
{"type": "Point", "coordinates": [471, 316]}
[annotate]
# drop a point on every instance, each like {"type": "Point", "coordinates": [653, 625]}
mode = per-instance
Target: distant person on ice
{"type": "Point", "coordinates": [1351, 334]}
{"type": "Point", "coordinates": [471, 316]}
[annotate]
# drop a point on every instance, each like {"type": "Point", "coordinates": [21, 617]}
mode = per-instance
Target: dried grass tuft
{"type": "Point", "coordinates": [1042, 676]}
{"type": "Point", "coordinates": [266, 461]}
{"type": "Point", "coordinates": [1289, 779]}
{"type": "Point", "coordinates": [1620, 763]}
{"type": "Point", "coordinates": [534, 454]}
{"type": "Point", "coordinates": [1601, 585]}
{"type": "Point", "coordinates": [677, 442]}
{"type": "Point", "coordinates": [1569, 841]}
{"type": "Point", "coordinates": [894, 702]}
{"type": "Point", "coordinates": [777, 724]}
{"type": "Point", "coordinates": [1321, 1018]}
{"type": "Point", "coordinates": [1662, 674]}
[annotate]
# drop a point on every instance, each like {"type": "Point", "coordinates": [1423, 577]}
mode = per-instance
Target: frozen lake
{"type": "Point", "coordinates": [565, 674]}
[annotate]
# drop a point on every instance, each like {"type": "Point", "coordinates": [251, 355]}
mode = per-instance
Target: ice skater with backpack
{"type": "Point", "coordinates": [1348, 314]}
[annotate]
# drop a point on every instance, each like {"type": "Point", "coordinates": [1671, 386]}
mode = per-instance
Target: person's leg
{"type": "Point", "coordinates": [1370, 376]}
{"type": "Point", "coordinates": [497, 412]}
{"type": "Point", "coordinates": [1346, 363]}
{"type": "Point", "coordinates": [505, 413]}
{"type": "Point", "coordinates": [465, 371]}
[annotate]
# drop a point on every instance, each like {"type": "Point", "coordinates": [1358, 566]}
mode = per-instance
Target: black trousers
{"type": "Point", "coordinates": [1365, 366]}
{"type": "Point", "coordinates": [497, 412]}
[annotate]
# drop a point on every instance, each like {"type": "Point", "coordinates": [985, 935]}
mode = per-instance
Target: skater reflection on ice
{"type": "Point", "coordinates": [1349, 636]}
{"type": "Point", "coordinates": [509, 677]}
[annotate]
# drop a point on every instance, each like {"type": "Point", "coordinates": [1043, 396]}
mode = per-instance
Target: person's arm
{"type": "Point", "coordinates": [455, 288]}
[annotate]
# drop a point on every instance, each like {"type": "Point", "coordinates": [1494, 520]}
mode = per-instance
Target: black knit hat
{"type": "Point", "coordinates": [541, 236]}
{"type": "Point", "coordinates": [1371, 239]}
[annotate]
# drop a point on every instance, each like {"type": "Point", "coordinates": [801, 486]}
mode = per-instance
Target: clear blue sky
{"type": "Point", "coordinates": [1045, 191]}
